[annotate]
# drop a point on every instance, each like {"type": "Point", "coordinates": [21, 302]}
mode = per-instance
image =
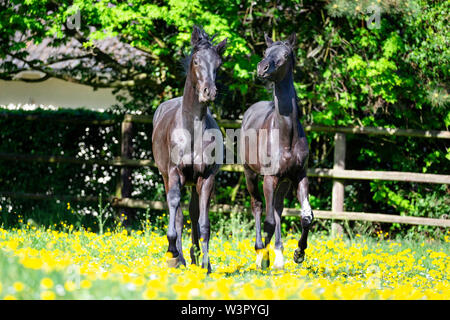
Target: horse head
{"type": "Point", "coordinates": [278, 58]}
{"type": "Point", "coordinates": [206, 59]}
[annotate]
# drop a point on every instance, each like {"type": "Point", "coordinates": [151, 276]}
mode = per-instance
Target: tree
{"type": "Point", "coordinates": [365, 62]}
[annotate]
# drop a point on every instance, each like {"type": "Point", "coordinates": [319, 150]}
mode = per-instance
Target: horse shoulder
{"type": "Point", "coordinates": [301, 148]}
{"type": "Point", "coordinates": [162, 124]}
{"type": "Point", "coordinates": [211, 123]}
{"type": "Point", "coordinates": [257, 114]}
{"type": "Point", "coordinates": [166, 107]}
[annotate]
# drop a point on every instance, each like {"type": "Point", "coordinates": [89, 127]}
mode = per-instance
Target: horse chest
{"type": "Point", "coordinates": [287, 160]}
{"type": "Point", "coordinates": [193, 167]}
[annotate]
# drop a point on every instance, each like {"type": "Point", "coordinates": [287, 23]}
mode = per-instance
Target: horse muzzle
{"type": "Point", "coordinates": [264, 69]}
{"type": "Point", "coordinates": [207, 94]}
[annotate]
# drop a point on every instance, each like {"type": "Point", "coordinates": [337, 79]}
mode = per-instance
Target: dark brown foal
{"type": "Point", "coordinates": [180, 148]}
{"type": "Point", "coordinates": [279, 153]}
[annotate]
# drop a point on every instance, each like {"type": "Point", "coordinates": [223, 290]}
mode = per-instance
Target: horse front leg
{"type": "Point", "coordinates": [307, 217]}
{"type": "Point", "coordinates": [280, 193]}
{"type": "Point", "coordinates": [179, 229]}
{"type": "Point", "coordinates": [174, 253]}
{"type": "Point", "coordinates": [204, 189]}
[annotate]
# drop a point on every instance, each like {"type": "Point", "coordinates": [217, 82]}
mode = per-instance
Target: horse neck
{"type": "Point", "coordinates": [191, 109]}
{"type": "Point", "coordinates": [286, 111]}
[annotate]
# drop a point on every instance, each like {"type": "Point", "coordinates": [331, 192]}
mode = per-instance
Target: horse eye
{"type": "Point", "coordinates": [195, 62]}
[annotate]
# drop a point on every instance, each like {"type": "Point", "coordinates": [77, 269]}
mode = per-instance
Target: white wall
{"type": "Point", "coordinates": [55, 92]}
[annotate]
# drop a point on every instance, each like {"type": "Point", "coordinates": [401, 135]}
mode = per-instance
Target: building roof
{"type": "Point", "coordinates": [72, 55]}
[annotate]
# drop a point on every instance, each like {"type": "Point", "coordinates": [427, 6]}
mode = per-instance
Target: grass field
{"type": "Point", "coordinates": [38, 263]}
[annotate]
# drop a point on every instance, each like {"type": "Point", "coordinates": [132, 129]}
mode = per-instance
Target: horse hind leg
{"type": "Point", "coordinates": [269, 187]}
{"type": "Point", "coordinates": [262, 255]}
{"type": "Point", "coordinates": [280, 194]}
{"type": "Point", "coordinates": [204, 189]}
{"type": "Point", "coordinates": [307, 218]}
{"type": "Point", "coordinates": [179, 230]}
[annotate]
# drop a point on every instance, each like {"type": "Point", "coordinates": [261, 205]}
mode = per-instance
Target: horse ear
{"type": "Point", "coordinates": [196, 36]}
{"type": "Point", "coordinates": [292, 40]}
{"type": "Point", "coordinates": [220, 48]}
{"type": "Point", "coordinates": [269, 40]}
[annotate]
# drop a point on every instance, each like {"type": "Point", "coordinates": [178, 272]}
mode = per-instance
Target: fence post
{"type": "Point", "coordinates": [337, 196]}
{"type": "Point", "coordinates": [125, 186]}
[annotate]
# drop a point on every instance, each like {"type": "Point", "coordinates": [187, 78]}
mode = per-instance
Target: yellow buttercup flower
{"type": "Point", "coordinates": [18, 286]}
{"type": "Point", "coordinates": [149, 294]}
{"type": "Point", "coordinates": [70, 286]}
{"type": "Point", "coordinates": [85, 284]}
{"type": "Point", "coordinates": [135, 263]}
{"type": "Point", "coordinates": [48, 295]}
{"type": "Point", "coordinates": [47, 283]}
{"type": "Point", "coordinates": [32, 263]}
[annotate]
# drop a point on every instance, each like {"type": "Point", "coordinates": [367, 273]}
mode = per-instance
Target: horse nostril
{"type": "Point", "coordinates": [262, 68]}
{"type": "Point", "coordinates": [206, 91]}
{"type": "Point", "coordinates": [213, 93]}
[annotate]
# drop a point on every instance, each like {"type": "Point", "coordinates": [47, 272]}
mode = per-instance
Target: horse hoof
{"type": "Point", "coordinates": [277, 267]}
{"type": "Point", "coordinates": [265, 263]}
{"type": "Point", "coordinates": [173, 262]}
{"type": "Point", "coordinates": [299, 256]}
{"type": "Point", "coordinates": [262, 259]}
{"type": "Point", "coordinates": [279, 260]}
{"type": "Point", "coordinates": [209, 269]}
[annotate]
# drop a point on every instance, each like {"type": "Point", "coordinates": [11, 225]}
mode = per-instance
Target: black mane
{"type": "Point", "coordinates": [205, 42]}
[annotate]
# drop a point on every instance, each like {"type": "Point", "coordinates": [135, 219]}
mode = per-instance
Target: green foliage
{"type": "Point", "coordinates": [74, 139]}
{"type": "Point", "coordinates": [435, 204]}
{"type": "Point", "coordinates": [48, 137]}
{"type": "Point", "coordinates": [344, 64]}
{"type": "Point", "coordinates": [236, 226]}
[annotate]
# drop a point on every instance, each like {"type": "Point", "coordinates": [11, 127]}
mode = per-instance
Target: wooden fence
{"type": "Point", "coordinates": [338, 173]}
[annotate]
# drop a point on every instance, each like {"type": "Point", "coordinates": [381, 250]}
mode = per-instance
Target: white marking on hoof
{"type": "Point", "coordinates": [278, 264]}
{"type": "Point", "coordinates": [259, 257]}
{"type": "Point", "coordinates": [262, 258]}
{"type": "Point", "coordinates": [173, 262]}
{"type": "Point", "coordinates": [307, 212]}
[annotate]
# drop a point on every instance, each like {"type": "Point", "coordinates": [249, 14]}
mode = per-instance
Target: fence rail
{"type": "Point", "coordinates": [235, 124]}
{"type": "Point", "coordinates": [225, 208]}
{"type": "Point", "coordinates": [312, 172]}
{"type": "Point", "coordinates": [338, 173]}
